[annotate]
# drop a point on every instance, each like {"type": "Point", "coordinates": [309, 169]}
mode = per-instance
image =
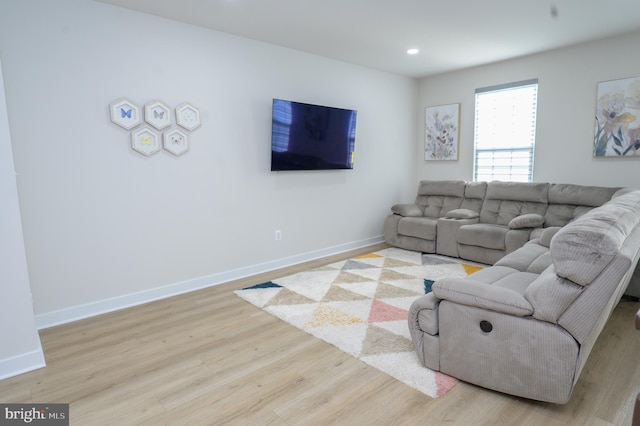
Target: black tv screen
{"type": "Point", "coordinates": [311, 137]}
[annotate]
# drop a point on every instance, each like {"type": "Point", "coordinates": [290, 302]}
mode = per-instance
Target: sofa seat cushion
{"type": "Point", "coordinates": [518, 281]}
{"type": "Point", "coordinates": [483, 235]}
{"type": "Point", "coordinates": [492, 274]}
{"type": "Point", "coordinates": [468, 291]}
{"type": "Point", "coordinates": [418, 227]}
{"type": "Point", "coordinates": [506, 277]}
{"type": "Point", "coordinates": [532, 257]}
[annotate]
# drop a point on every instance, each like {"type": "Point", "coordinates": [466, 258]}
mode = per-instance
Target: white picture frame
{"type": "Point", "coordinates": [442, 133]}
{"type": "Point", "coordinates": [188, 116]}
{"type": "Point", "coordinates": [125, 113]}
{"type": "Point", "coordinates": [145, 140]}
{"type": "Point", "coordinates": [158, 114]}
{"type": "Point", "coordinates": [175, 141]}
{"type": "Point", "coordinates": [617, 124]}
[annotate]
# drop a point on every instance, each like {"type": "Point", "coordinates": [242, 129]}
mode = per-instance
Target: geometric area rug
{"type": "Point", "coordinates": [361, 307]}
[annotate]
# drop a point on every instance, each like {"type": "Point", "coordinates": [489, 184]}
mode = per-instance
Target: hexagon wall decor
{"type": "Point", "coordinates": [158, 114]}
{"type": "Point", "coordinates": [176, 141]}
{"type": "Point", "coordinates": [125, 113]}
{"type": "Point", "coordinates": [145, 140]}
{"type": "Point", "coordinates": [188, 116]}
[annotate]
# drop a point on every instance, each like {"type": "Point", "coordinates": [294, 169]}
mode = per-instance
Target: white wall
{"type": "Point", "coordinates": [20, 348]}
{"type": "Point", "coordinates": [567, 83]}
{"type": "Point", "coordinates": [105, 227]}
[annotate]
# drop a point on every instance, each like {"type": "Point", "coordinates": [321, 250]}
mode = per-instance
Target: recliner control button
{"type": "Point", "coordinates": [486, 326]}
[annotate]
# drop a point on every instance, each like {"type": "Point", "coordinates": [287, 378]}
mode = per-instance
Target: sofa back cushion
{"type": "Point", "coordinates": [586, 317]}
{"type": "Point", "coordinates": [588, 258]}
{"type": "Point", "coordinates": [437, 198]}
{"type": "Point", "coordinates": [568, 202]}
{"type": "Point", "coordinates": [474, 193]}
{"type": "Point", "coordinates": [506, 200]}
{"type": "Point", "coordinates": [583, 248]}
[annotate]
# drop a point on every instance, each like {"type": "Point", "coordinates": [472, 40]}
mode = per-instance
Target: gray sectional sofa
{"type": "Point", "coordinates": [483, 221]}
{"type": "Point", "coordinates": [562, 256]}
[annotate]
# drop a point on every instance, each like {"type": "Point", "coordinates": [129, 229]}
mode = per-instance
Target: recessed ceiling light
{"type": "Point", "coordinates": [413, 51]}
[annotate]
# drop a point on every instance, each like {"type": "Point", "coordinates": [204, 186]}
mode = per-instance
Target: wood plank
{"type": "Point", "coordinates": [209, 357]}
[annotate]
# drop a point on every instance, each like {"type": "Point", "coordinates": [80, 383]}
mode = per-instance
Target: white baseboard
{"type": "Point", "coordinates": [50, 319]}
{"type": "Point", "coordinates": [29, 361]}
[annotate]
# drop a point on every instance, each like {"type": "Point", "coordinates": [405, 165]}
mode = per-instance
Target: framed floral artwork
{"type": "Point", "coordinates": [617, 127]}
{"type": "Point", "coordinates": [442, 124]}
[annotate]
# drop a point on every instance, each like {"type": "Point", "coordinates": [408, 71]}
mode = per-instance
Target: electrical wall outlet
{"type": "Point", "coordinates": [278, 235]}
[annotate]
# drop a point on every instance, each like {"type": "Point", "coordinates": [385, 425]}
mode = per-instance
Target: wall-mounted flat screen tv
{"type": "Point", "coordinates": [311, 137]}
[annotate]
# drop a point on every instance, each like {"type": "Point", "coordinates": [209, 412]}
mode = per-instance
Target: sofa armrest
{"type": "Point", "coordinates": [462, 214]}
{"type": "Point", "coordinates": [530, 220]}
{"type": "Point", "coordinates": [423, 314]}
{"type": "Point", "coordinates": [467, 291]}
{"type": "Point", "coordinates": [447, 229]}
{"type": "Point", "coordinates": [406, 210]}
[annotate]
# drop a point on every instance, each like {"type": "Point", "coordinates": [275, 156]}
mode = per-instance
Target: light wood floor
{"type": "Point", "coordinates": [208, 358]}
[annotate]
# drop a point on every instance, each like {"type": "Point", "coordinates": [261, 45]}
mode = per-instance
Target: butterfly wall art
{"type": "Point", "coordinates": [151, 126]}
{"type": "Point", "coordinates": [158, 114]}
{"type": "Point", "coordinates": [176, 141]}
{"type": "Point", "coordinates": [145, 140]}
{"type": "Point", "coordinates": [188, 116]}
{"type": "Point", "coordinates": [125, 113]}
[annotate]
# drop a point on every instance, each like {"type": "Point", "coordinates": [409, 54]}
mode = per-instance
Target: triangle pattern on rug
{"type": "Point", "coordinates": [268, 284]}
{"type": "Point", "coordinates": [379, 341]}
{"type": "Point", "coordinates": [347, 277]}
{"type": "Point", "coordinates": [339, 293]}
{"type": "Point", "coordinates": [368, 273]}
{"type": "Point", "coordinates": [260, 296]}
{"type": "Point", "coordinates": [358, 308]}
{"type": "Point", "coordinates": [288, 297]}
{"type": "Point", "coordinates": [316, 291]}
{"type": "Point", "coordinates": [403, 303]}
{"type": "Point", "coordinates": [370, 256]}
{"type": "Point", "coordinates": [470, 269]}
{"type": "Point", "coordinates": [352, 264]}
{"type": "Point", "coordinates": [361, 306]}
{"type": "Point", "coordinates": [391, 275]}
{"type": "Point", "coordinates": [396, 327]}
{"type": "Point", "coordinates": [387, 290]}
{"type": "Point", "coordinates": [381, 311]}
{"type": "Point", "coordinates": [395, 263]}
{"type": "Point", "coordinates": [367, 288]}
{"type": "Point", "coordinates": [325, 315]}
{"type": "Point", "coordinates": [372, 259]}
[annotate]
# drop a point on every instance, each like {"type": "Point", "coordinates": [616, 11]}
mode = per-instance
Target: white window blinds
{"type": "Point", "coordinates": [505, 132]}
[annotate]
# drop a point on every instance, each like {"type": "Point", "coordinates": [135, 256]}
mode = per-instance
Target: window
{"type": "Point", "coordinates": [505, 132]}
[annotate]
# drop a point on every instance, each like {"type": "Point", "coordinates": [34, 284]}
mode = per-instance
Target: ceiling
{"type": "Point", "coordinates": [451, 34]}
